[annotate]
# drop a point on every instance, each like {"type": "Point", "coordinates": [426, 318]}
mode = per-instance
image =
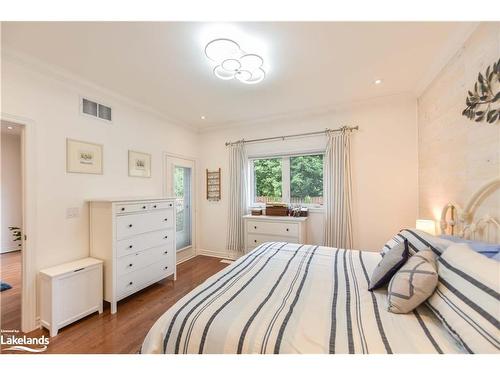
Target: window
{"type": "Point", "coordinates": [296, 179]}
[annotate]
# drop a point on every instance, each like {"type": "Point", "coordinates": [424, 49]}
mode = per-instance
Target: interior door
{"type": "Point", "coordinates": [180, 177]}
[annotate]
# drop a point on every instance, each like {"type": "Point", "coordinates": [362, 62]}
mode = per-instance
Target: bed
{"type": "Point", "coordinates": [293, 298]}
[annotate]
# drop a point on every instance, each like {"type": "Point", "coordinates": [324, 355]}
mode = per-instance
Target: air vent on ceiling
{"type": "Point", "coordinates": [95, 109]}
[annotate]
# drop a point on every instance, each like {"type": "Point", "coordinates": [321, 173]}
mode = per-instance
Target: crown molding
{"type": "Point", "coordinates": [454, 47]}
{"type": "Point", "coordinates": [57, 73]}
{"type": "Point", "coordinates": [305, 114]}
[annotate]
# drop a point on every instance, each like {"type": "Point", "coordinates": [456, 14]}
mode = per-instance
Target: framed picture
{"type": "Point", "coordinates": [83, 157]}
{"type": "Point", "coordinates": [139, 164]}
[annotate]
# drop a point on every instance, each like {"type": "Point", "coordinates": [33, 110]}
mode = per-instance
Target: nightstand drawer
{"type": "Point", "coordinates": [276, 229]}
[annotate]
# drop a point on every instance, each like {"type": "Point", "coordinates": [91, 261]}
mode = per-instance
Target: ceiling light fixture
{"type": "Point", "coordinates": [203, 117]}
{"type": "Point", "coordinates": [10, 127]}
{"type": "Point", "coordinates": [233, 63]}
{"type": "Point", "coordinates": [377, 81]}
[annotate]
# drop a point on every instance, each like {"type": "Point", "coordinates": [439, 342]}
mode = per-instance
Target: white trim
{"type": "Point", "coordinates": [285, 176]}
{"type": "Point", "coordinates": [194, 195]}
{"type": "Point", "coordinates": [218, 254]}
{"type": "Point", "coordinates": [187, 258]}
{"type": "Point", "coordinates": [67, 78]}
{"type": "Point", "coordinates": [29, 271]}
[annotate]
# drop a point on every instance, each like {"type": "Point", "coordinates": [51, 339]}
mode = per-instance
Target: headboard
{"type": "Point", "coordinates": [476, 221]}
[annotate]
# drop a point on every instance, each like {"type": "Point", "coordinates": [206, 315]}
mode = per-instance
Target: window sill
{"type": "Point", "coordinates": [310, 209]}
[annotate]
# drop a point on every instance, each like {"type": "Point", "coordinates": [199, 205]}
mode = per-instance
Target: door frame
{"type": "Point", "coordinates": [194, 195]}
{"type": "Point", "coordinates": [29, 204]}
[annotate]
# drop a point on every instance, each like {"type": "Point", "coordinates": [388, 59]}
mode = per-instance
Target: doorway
{"type": "Point", "coordinates": [180, 177]}
{"type": "Point", "coordinates": [11, 231]}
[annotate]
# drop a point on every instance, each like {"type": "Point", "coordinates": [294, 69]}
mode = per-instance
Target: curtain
{"type": "Point", "coordinates": [338, 190]}
{"type": "Point", "coordinates": [238, 196]}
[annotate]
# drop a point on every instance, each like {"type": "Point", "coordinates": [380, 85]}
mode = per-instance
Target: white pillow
{"type": "Point", "coordinates": [467, 299]}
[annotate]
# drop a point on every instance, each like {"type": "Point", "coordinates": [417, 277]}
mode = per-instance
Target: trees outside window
{"type": "Point", "coordinates": [291, 179]}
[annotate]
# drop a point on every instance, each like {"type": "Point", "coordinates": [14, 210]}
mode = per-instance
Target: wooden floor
{"type": "Point", "coordinates": [125, 331]}
{"type": "Point", "coordinates": [10, 300]}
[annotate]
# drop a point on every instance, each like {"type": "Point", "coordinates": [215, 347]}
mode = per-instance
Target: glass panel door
{"type": "Point", "coordinates": [182, 190]}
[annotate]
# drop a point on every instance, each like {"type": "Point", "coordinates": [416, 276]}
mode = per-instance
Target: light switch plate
{"type": "Point", "coordinates": [72, 212]}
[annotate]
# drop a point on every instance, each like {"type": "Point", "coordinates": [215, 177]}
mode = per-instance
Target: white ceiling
{"type": "Point", "coordinates": [310, 66]}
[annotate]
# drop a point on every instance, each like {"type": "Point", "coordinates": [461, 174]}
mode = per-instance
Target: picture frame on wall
{"type": "Point", "coordinates": [83, 157]}
{"type": "Point", "coordinates": [139, 164]}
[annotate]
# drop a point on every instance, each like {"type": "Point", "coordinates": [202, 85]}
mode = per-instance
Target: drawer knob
{"type": "Point", "coordinates": [130, 283]}
{"type": "Point", "coordinates": [170, 205]}
{"type": "Point", "coordinates": [130, 246]}
{"type": "Point", "coordinates": [143, 207]}
{"type": "Point", "coordinates": [131, 264]}
{"type": "Point", "coordinates": [255, 227]}
{"type": "Point", "coordinates": [123, 208]}
{"type": "Point", "coordinates": [255, 241]}
{"type": "Point", "coordinates": [130, 225]}
{"type": "Point", "coordinates": [165, 237]}
{"type": "Point", "coordinates": [288, 230]}
{"type": "Point", "coordinates": [166, 267]}
{"type": "Point", "coordinates": [166, 252]}
{"type": "Point", "coordinates": [165, 219]}
{"type": "Point", "coordinates": [154, 206]}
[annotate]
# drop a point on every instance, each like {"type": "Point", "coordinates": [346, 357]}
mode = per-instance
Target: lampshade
{"type": "Point", "coordinates": [428, 226]}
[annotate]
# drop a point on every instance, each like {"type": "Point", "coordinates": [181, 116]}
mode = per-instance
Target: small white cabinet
{"type": "Point", "coordinates": [260, 229]}
{"type": "Point", "coordinates": [69, 292]}
{"type": "Point", "coordinates": [136, 240]}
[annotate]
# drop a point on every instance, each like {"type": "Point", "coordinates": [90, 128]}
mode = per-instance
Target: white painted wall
{"type": "Point", "coordinates": [456, 155]}
{"type": "Point", "coordinates": [384, 166]}
{"type": "Point", "coordinates": [53, 104]}
{"type": "Point", "coordinates": [11, 177]}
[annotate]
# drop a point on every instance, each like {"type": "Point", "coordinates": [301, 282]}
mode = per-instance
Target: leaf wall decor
{"type": "Point", "coordinates": [483, 102]}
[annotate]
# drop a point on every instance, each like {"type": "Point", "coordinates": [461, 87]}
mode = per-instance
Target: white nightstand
{"type": "Point", "coordinates": [69, 292]}
{"type": "Point", "coordinates": [260, 229]}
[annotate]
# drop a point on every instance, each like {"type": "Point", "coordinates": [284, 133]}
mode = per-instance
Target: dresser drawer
{"type": "Point", "coordinates": [137, 261]}
{"type": "Point", "coordinates": [134, 281]}
{"type": "Point", "coordinates": [144, 241]}
{"type": "Point", "coordinates": [131, 225]}
{"type": "Point", "coordinates": [276, 229]}
{"type": "Point", "coordinates": [133, 207]}
{"type": "Point", "coordinates": [161, 205]}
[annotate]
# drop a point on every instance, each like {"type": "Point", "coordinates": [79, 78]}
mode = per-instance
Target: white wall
{"type": "Point", "coordinates": [457, 155]}
{"type": "Point", "coordinates": [384, 162]}
{"type": "Point", "coordinates": [11, 189]}
{"type": "Point", "coordinates": [53, 104]}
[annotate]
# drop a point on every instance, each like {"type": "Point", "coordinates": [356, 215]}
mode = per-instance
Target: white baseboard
{"type": "Point", "coordinates": [218, 254]}
{"type": "Point", "coordinates": [188, 258]}
{"type": "Point", "coordinates": [9, 251]}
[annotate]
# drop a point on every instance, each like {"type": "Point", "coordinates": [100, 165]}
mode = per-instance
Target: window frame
{"type": "Point", "coordinates": [285, 177]}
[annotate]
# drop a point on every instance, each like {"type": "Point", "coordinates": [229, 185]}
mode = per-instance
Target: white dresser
{"type": "Point", "coordinates": [260, 229]}
{"type": "Point", "coordinates": [136, 240]}
{"type": "Point", "coordinates": [69, 292]}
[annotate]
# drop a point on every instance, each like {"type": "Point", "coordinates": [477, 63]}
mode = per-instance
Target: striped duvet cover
{"type": "Point", "coordinates": [289, 298]}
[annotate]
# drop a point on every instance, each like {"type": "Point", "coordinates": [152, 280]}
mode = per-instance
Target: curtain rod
{"type": "Point", "coordinates": [283, 137]}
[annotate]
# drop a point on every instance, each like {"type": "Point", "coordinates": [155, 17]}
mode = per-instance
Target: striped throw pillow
{"type": "Point", "coordinates": [467, 298]}
{"type": "Point", "coordinates": [417, 241]}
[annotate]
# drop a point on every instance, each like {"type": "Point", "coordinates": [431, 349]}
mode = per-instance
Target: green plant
{"type": "Point", "coordinates": [484, 94]}
{"type": "Point", "coordinates": [16, 234]}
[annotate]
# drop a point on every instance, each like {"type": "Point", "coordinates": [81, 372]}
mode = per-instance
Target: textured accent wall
{"type": "Point", "coordinates": [456, 156]}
